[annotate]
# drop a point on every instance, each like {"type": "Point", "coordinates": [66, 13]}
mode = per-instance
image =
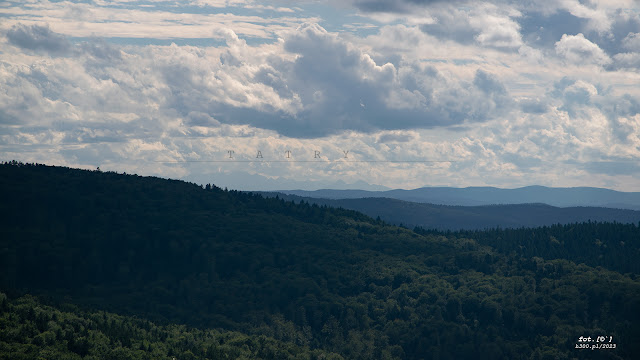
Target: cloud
{"type": "Point", "coordinates": [313, 83]}
{"type": "Point", "coordinates": [467, 82]}
{"type": "Point", "coordinates": [167, 20]}
{"type": "Point", "coordinates": [340, 86]}
{"type": "Point", "coordinates": [631, 59]}
{"type": "Point", "coordinates": [98, 48]}
{"type": "Point", "coordinates": [533, 106]}
{"type": "Point", "coordinates": [488, 83]}
{"type": "Point", "coordinates": [196, 118]}
{"type": "Point", "coordinates": [401, 137]}
{"type": "Point", "coordinates": [627, 60]}
{"type": "Point", "coordinates": [576, 49]}
{"type": "Point", "coordinates": [612, 167]}
{"type": "Point", "coordinates": [484, 24]}
{"type": "Point", "coordinates": [510, 24]}
{"type": "Point", "coordinates": [632, 42]}
{"type": "Point", "coordinates": [38, 38]}
{"type": "Point", "coordinates": [579, 92]}
{"type": "Point", "coordinates": [542, 30]}
{"type": "Point", "coordinates": [401, 6]}
{"type": "Point", "coordinates": [497, 30]}
{"type": "Point", "coordinates": [41, 39]}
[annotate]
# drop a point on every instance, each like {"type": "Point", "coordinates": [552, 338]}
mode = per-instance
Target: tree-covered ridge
{"type": "Point", "coordinates": [614, 246]}
{"type": "Point", "coordinates": [31, 330]}
{"type": "Point", "coordinates": [305, 275]}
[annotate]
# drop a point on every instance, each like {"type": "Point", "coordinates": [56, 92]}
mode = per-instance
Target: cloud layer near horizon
{"type": "Point", "coordinates": [513, 93]}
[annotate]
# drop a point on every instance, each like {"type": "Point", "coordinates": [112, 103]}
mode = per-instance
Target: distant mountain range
{"type": "Point", "coordinates": [449, 217]}
{"type": "Point", "coordinates": [476, 196]}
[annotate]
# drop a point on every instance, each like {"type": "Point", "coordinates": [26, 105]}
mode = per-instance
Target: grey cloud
{"type": "Point", "coordinates": [398, 6]}
{"type": "Point", "coordinates": [227, 58]}
{"type": "Point", "coordinates": [467, 24]}
{"type": "Point", "coordinates": [543, 30]}
{"type": "Point", "coordinates": [272, 78]}
{"type": "Point", "coordinates": [626, 61]}
{"type": "Point", "coordinates": [616, 108]}
{"type": "Point", "coordinates": [343, 89]}
{"type": "Point", "coordinates": [617, 40]}
{"type": "Point", "coordinates": [573, 94]}
{"type": "Point", "coordinates": [38, 38]}
{"type": "Point", "coordinates": [332, 85]}
{"type": "Point", "coordinates": [524, 162]}
{"type": "Point", "coordinates": [488, 26]}
{"type": "Point", "coordinates": [562, 84]}
{"type": "Point", "coordinates": [100, 49]}
{"type": "Point", "coordinates": [8, 119]}
{"type": "Point", "coordinates": [488, 83]}
{"type": "Point", "coordinates": [381, 6]}
{"type": "Point", "coordinates": [21, 100]}
{"type": "Point", "coordinates": [612, 167]}
{"type": "Point", "coordinates": [540, 23]}
{"type": "Point", "coordinates": [496, 98]}
{"type": "Point", "coordinates": [533, 106]}
{"type": "Point", "coordinates": [95, 134]}
{"type": "Point", "coordinates": [393, 137]}
{"type": "Point", "coordinates": [395, 6]}
{"type": "Point", "coordinates": [631, 59]}
{"type": "Point", "coordinates": [625, 105]}
{"type": "Point", "coordinates": [451, 28]}
{"type": "Point", "coordinates": [41, 39]}
{"type": "Point", "coordinates": [96, 154]}
{"type": "Point", "coordinates": [338, 88]}
{"type": "Point", "coordinates": [196, 118]}
{"type": "Point", "coordinates": [578, 97]}
{"type": "Point", "coordinates": [632, 42]}
{"type": "Point", "coordinates": [576, 92]}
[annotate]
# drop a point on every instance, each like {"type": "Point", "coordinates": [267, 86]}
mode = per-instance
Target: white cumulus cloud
{"type": "Point", "coordinates": [576, 49]}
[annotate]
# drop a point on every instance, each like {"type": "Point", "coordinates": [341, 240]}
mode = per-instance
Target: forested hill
{"type": "Point", "coordinates": [307, 280]}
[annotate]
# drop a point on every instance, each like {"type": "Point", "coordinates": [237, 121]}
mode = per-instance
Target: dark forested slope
{"type": "Point", "coordinates": [308, 276]}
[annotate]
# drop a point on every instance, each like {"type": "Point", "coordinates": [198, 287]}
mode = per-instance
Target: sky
{"type": "Point", "coordinates": [369, 94]}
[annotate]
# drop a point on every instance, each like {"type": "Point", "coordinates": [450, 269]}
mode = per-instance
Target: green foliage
{"type": "Point", "coordinates": [31, 330]}
{"type": "Point", "coordinates": [310, 277]}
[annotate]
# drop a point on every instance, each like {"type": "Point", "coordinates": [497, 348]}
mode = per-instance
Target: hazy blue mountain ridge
{"type": "Point", "coordinates": [451, 217]}
{"type": "Point", "coordinates": [475, 196]}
